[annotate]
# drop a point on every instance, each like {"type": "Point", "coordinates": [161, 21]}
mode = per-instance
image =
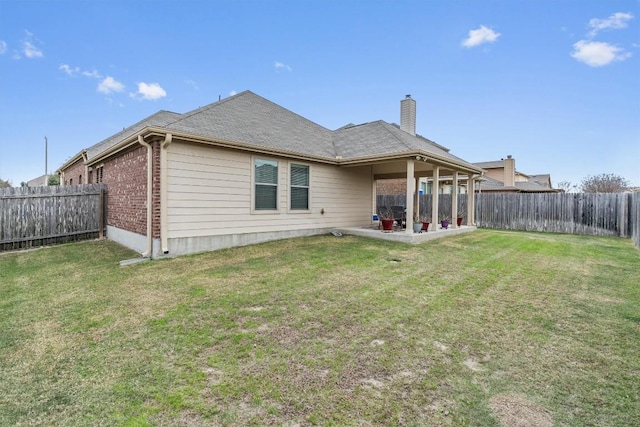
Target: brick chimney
{"type": "Point", "coordinates": [509, 171]}
{"type": "Point", "coordinates": [408, 115]}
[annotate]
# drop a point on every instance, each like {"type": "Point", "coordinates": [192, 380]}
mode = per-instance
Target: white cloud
{"type": "Point", "coordinates": [149, 91]}
{"type": "Point", "coordinates": [233, 92]}
{"type": "Point", "coordinates": [480, 36]}
{"type": "Point", "coordinates": [597, 54]}
{"type": "Point", "coordinates": [68, 70]}
{"type": "Point", "coordinates": [616, 21]}
{"type": "Point", "coordinates": [3, 47]}
{"type": "Point", "coordinates": [29, 48]}
{"type": "Point", "coordinates": [94, 74]}
{"type": "Point", "coordinates": [30, 51]}
{"type": "Point", "coordinates": [109, 85]}
{"type": "Point", "coordinates": [280, 66]}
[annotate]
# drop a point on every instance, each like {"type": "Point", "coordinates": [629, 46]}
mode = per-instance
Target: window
{"type": "Point", "coordinates": [70, 181]}
{"type": "Point", "coordinates": [266, 182]}
{"type": "Point", "coordinates": [80, 179]}
{"type": "Point", "coordinates": [299, 187]}
{"type": "Point", "coordinates": [99, 170]}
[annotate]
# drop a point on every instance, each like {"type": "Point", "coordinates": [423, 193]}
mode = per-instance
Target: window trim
{"type": "Point", "coordinates": [290, 186]}
{"type": "Point", "coordinates": [278, 208]}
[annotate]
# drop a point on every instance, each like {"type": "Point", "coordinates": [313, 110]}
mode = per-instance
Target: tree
{"type": "Point", "coordinates": [4, 184]}
{"type": "Point", "coordinates": [604, 183]}
{"type": "Point", "coordinates": [53, 180]}
{"type": "Point", "coordinates": [566, 186]}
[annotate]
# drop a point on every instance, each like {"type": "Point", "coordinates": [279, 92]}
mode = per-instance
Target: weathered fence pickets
{"type": "Point", "coordinates": [36, 216]}
{"type": "Point", "coordinates": [601, 214]}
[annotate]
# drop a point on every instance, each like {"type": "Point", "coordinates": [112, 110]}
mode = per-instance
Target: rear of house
{"type": "Point", "coordinates": [244, 170]}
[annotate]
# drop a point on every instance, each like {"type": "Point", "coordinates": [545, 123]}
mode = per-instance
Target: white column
{"type": "Point", "coordinates": [410, 185]}
{"type": "Point", "coordinates": [434, 198]}
{"type": "Point", "coordinates": [471, 208]}
{"type": "Point", "coordinates": [417, 198]}
{"type": "Point", "coordinates": [454, 200]}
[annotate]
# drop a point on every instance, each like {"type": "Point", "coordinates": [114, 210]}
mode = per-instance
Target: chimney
{"type": "Point", "coordinates": [408, 115]}
{"type": "Point", "coordinates": [509, 171]}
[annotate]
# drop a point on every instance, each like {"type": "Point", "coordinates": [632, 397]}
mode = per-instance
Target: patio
{"type": "Point", "coordinates": [401, 235]}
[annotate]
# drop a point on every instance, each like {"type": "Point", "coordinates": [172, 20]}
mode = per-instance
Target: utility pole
{"type": "Point", "coordinates": [46, 168]}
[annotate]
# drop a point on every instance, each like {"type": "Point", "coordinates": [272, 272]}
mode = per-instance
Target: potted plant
{"type": "Point", "coordinates": [461, 215]}
{"type": "Point", "coordinates": [425, 220]}
{"type": "Point", "coordinates": [387, 220]}
{"type": "Point", "coordinates": [417, 225]}
{"type": "Point", "coordinates": [444, 221]}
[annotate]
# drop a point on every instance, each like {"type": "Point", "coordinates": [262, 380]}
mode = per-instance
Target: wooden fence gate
{"type": "Point", "coordinates": [37, 216]}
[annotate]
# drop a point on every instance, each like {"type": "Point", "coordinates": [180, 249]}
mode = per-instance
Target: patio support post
{"type": "Point", "coordinates": [410, 190]}
{"type": "Point", "coordinates": [417, 197]}
{"type": "Point", "coordinates": [454, 200]}
{"type": "Point", "coordinates": [434, 198]}
{"type": "Point", "coordinates": [471, 208]}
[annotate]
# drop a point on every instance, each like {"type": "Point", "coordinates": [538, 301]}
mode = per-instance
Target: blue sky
{"type": "Point", "coordinates": [555, 83]}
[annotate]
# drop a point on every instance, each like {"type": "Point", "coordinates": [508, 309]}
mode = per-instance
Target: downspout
{"type": "Point", "coordinates": [164, 219]}
{"type": "Point", "coordinates": [149, 251]}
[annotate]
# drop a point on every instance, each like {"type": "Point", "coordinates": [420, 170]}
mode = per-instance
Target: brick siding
{"type": "Point", "coordinates": [391, 186]}
{"type": "Point", "coordinates": [75, 174]}
{"type": "Point", "coordinates": [126, 179]}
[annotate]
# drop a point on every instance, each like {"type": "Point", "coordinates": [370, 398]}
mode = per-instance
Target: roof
{"type": "Point", "coordinates": [250, 121]}
{"type": "Point", "coordinates": [382, 138]}
{"type": "Point", "coordinates": [247, 117]}
{"type": "Point", "coordinates": [490, 184]}
{"type": "Point", "coordinates": [161, 118]}
{"type": "Point", "coordinates": [490, 165]}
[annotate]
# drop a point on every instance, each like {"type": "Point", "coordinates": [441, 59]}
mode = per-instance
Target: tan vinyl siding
{"type": "Point", "coordinates": [210, 193]}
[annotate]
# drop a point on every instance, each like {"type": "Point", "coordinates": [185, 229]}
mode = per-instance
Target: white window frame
{"type": "Point", "coordinates": [279, 163]}
{"type": "Point", "coordinates": [290, 186]}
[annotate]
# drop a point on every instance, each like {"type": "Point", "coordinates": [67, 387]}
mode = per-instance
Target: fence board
{"type": "Point", "coordinates": [35, 216]}
{"type": "Point", "coordinates": [601, 214]}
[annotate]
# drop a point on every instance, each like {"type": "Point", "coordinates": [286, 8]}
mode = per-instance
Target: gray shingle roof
{"type": "Point", "coordinates": [382, 138]}
{"type": "Point", "coordinates": [161, 118]}
{"type": "Point", "coordinates": [249, 119]}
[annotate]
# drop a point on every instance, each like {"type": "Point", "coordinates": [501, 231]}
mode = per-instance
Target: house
{"type": "Point", "coordinates": [502, 176]}
{"type": "Point", "coordinates": [498, 176]}
{"type": "Point", "coordinates": [245, 170]}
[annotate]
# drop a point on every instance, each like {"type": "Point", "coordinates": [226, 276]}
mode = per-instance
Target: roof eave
{"type": "Point", "coordinates": [421, 155]}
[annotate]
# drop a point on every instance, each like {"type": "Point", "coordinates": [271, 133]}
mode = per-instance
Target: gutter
{"type": "Point", "coordinates": [149, 251]}
{"type": "Point", "coordinates": [164, 215]}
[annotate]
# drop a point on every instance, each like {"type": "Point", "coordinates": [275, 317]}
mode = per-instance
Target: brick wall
{"type": "Point", "coordinates": [391, 186]}
{"type": "Point", "coordinates": [75, 174]}
{"type": "Point", "coordinates": [126, 179]}
{"type": "Point", "coordinates": [156, 188]}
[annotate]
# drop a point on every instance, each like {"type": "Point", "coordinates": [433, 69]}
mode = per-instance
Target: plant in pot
{"type": "Point", "coordinates": [387, 220]}
{"type": "Point", "coordinates": [417, 225]}
{"type": "Point", "coordinates": [444, 221]}
{"type": "Point", "coordinates": [461, 216]}
{"type": "Point", "coordinates": [425, 220]}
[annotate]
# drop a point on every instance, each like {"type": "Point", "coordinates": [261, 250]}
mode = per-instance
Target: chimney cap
{"type": "Point", "coordinates": [408, 96]}
{"type": "Point", "coordinates": [509, 156]}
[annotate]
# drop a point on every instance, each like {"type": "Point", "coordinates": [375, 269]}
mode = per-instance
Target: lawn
{"type": "Point", "coordinates": [484, 329]}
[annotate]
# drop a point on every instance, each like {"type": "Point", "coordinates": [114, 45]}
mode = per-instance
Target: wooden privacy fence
{"type": "Point", "coordinates": [36, 216]}
{"type": "Point", "coordinates": [601, 214]}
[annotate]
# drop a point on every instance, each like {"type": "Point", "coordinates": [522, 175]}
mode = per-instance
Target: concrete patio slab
{"type": "Point", "coordinates": [401, 235]}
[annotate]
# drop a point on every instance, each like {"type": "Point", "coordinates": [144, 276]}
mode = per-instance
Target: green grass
{"type": "Point", "coordinates": [469, 330]}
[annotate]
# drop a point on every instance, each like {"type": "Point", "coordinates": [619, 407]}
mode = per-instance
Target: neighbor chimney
{"type": "Point", "coordinates": [408, 115]}
{"type": "Point", "coordinates": [509, 171]}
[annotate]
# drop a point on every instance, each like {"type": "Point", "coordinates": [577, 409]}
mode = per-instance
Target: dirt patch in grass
{"type": "Point", "coordinates": [513, 410]}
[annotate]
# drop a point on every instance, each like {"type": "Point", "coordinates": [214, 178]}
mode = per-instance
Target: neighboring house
{"type": "Point", "coordinates": [245, 170]}
{"type": "Point", "coordinates": [41, 181]}
{"type": "Point", "coordinates": [502, 176]}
